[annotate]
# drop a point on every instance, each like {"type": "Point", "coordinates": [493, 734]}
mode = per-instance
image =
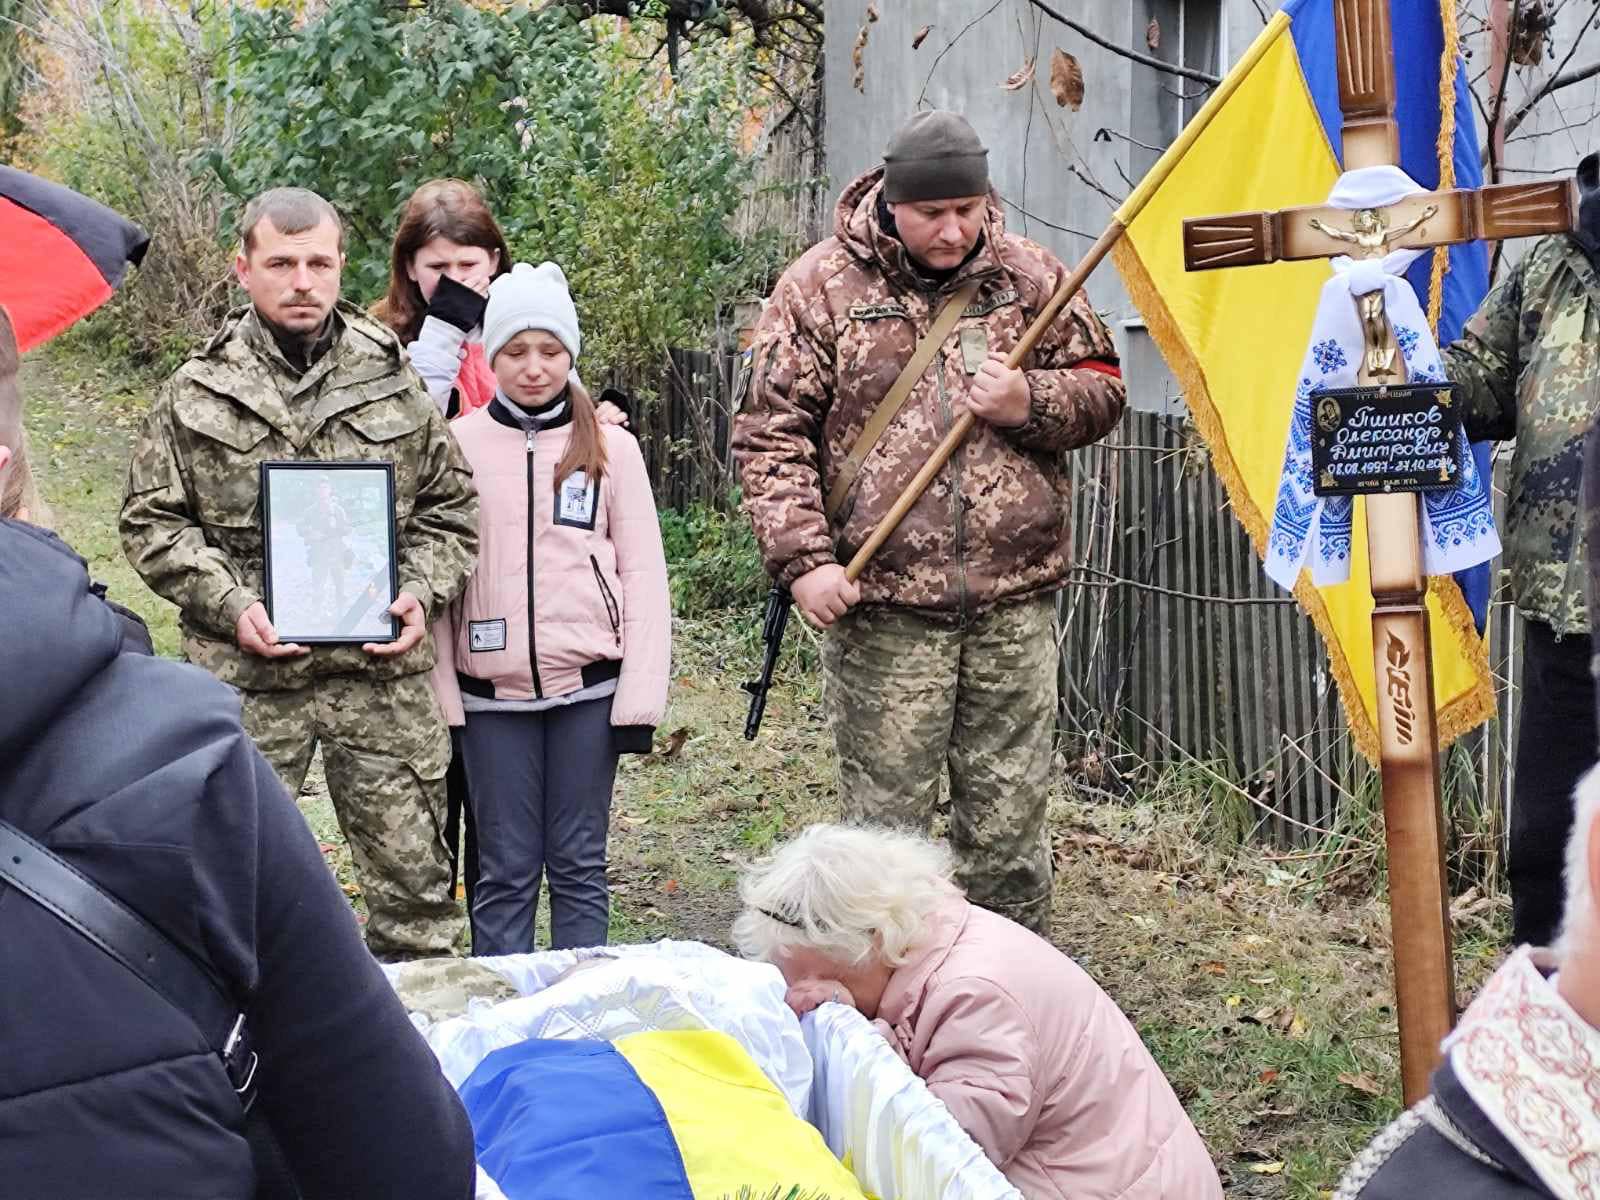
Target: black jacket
{"type": "Point", "coordinates": [137, 771]}
{"type": "Point", "coordinates": [1414, 1159]}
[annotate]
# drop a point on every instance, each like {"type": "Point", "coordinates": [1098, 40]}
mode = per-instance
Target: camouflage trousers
{"type": "Point", "coordinates": [385, 748]}
{"type": "Point", "coordinates": [908, 696]}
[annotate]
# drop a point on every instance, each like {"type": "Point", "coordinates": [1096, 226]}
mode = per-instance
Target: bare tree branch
{"type": "Point", "coordinates": [764, 16]}
{"type": "Point", "coordinates": [1554, 84]}
{"type": "Point", "coordinates": [950, 45]}
{"type": "Point", "coordinates": [1497, 117]}
{"type": "Point", "coordinates": [1106, 133]}
{"type": "Point", "coordinates": [1166, 67]}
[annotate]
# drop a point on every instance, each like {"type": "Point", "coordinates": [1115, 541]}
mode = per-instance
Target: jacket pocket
{"type": "Point", "coordinates": [387, 418]}
{"type": "Point", "coordinates": [224, 456]}
{"type": "Point", "coordinates": [613, 610]}
{"type": "Point", "coordinates": [385, 430]}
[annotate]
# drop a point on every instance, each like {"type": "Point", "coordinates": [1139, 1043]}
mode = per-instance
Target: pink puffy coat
{"type": "Point", "coordinates": [1040, 1066]}
{"type": "Point", "coordinates": [595, 593]}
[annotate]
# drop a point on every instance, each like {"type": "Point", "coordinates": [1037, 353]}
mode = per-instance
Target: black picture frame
{"type": "Point", "coordinates": [321, 587]}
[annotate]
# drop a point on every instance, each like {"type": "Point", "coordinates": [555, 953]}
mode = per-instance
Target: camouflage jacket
{"type": "Point", "coordinates": [841, 324]}
{"type": "Point", "coordinates": [1528, 367]}
{"type": "Point", "coordinates": [191, 520]}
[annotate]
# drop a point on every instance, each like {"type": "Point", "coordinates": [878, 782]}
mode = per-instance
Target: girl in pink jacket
{"type": "Point", "coordinates": [1029, 1055]}
{"type": "Point", "coordinates": [555, 657]}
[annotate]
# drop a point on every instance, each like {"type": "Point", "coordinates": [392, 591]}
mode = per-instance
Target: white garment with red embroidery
{"type": "Point", "coordinates": [1532, 1065]}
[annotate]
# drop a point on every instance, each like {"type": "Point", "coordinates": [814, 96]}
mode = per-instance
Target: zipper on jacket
{"type": "Point", "coordinates": [958, 515]}
{"type": "Point", "coordinates": [533, 646]}
{"type": "Point", "coordinates": [613, 613]}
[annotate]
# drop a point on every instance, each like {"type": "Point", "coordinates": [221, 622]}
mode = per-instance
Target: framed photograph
{"type": "Point", "coordinates": [329, 537]}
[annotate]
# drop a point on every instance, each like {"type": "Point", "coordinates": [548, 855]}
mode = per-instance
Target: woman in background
{"type": "Point", "coordinates": [447, 250]}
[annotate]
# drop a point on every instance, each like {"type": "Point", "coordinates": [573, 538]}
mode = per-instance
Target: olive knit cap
{"type": "Point", "coordinates": [936, 155]}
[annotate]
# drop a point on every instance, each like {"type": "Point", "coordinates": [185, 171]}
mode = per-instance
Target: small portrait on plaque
{"type": "Point", "coordinates": [329, 539]}
{"type": "Point", "coordinates": [1386, 438]}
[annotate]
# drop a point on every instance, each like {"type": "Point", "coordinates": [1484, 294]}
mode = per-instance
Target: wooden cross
{"type": "Point", "coordinates": [1408, 736]}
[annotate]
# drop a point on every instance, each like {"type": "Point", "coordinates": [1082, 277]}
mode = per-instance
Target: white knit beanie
{"type": "Point", "coordinates": [530, 297]}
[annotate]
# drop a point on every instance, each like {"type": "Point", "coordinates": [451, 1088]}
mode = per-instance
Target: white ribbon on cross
{"type": "Point", "coordinates": [1315, 531]}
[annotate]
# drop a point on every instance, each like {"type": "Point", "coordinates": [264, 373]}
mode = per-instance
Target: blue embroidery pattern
{"type": "Point", "coordinates": [1316, 532]}
{"type": "Point", "coordinates": [1329, 356]}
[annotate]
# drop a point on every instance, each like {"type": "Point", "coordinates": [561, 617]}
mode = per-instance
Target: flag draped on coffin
{"type": "Point", "coordinates": [61, 255]}
{"type": "Point", "coordinates": [1269, 138]}
{"type": "Point", "coordinates": [651, 1116]}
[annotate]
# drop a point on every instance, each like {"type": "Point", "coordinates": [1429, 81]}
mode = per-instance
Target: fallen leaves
{"type": "Point", "coordinates": [1275, 1167]}
{"type": "Point", "coordinates": [1020, 78]}
{"type": "Point", "coordinates": [671, 748]}
{"type": "Point", "coordinates": [1066, 80]}
{"type": "Point", "coordinates": [1361, 1083]}
{"type": "Point", "coordinates": [1139, 858]}
{"type": "Point", "coordinates": [1283, 1019]}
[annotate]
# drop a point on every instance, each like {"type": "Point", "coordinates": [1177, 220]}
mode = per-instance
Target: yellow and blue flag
{"type": "Point", "coordinates": [681, 1115]}
{"type": "Point", "coordinates": [1270, 138]}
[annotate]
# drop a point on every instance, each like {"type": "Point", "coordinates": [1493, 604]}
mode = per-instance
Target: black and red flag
{"type": "Point", "coordinates": [61, 255]}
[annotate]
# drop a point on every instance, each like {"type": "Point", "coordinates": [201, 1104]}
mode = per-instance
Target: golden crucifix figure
{"type": "Point", "coordinates": [1372, 234]}
{"type": "Point", "coordinates": [1380, 342]}
{"type": "Point", "coordinates": [1408, 734]}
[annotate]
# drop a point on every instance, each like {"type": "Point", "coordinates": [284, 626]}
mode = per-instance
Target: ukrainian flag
{"type": "Point", "coordinates": [680, 1115]}
{"type": "Point", "coordinates": [1269, 138]}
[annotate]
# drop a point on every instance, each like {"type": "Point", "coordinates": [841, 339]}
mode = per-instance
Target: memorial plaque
{"type": "Point", "coordinates": [1397, 438]}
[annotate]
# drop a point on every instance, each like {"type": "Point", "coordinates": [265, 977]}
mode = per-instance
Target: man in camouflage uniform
{"type": "Point", "coordinates": [944, 652]}
{"type": "Point", "coordinates": [300, 375]}
{"type": "Point", "coordinates": [1528, 367]}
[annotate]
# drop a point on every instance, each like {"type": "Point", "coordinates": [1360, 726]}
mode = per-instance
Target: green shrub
{"type": "Point", "coordinates": [586, 157]}
{"type": "Point", "coordinates": [139, 97]}
{"type": "Point", "coordinates": [712, 560]}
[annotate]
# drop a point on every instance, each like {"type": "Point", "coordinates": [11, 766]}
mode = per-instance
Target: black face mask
{"type": "Point", "coordinates": [1587, 234]}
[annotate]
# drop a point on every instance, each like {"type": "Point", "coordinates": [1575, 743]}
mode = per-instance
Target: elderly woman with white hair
{"type": "Point", "coordinates": [1033, 1059]}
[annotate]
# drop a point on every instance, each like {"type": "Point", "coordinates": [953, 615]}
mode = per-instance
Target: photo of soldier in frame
{"type": "Point", "coordinates": [329, 539]}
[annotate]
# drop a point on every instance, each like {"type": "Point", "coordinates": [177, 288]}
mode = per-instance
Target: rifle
{"type": "Point", "coordinates": [779, 602]}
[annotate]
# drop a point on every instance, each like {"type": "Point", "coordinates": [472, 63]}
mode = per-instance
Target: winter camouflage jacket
{"type": "Point", "coordinates": [191, 519]}
{"type": "Point", "coordinates": [1528, 367]}
{"type": "Point", "coordinates": [842, 322]}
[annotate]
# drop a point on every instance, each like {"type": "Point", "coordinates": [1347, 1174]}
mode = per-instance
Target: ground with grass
{"type": "Point", "coordinates": [1262, 988]}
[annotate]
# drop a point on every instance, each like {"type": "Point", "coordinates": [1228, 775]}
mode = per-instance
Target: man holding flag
{"type": "Point", "coordinates": [875, 344]}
